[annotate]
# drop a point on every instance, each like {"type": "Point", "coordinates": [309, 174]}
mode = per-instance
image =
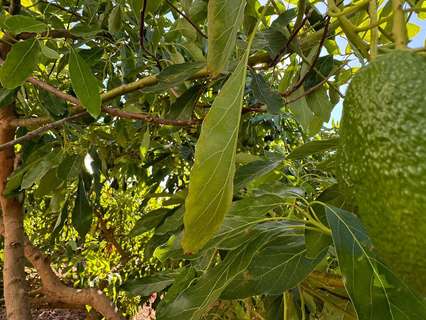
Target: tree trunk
{"type": "Point", "coordinates": [17, 303]}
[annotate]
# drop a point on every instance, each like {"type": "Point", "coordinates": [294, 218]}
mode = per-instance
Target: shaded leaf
{"type": "Point", "coordinates": [374, 290]}
{"type": "Point", "coordinates": [279, 266]}
{"type": "Point", "coordinates": [20, 63]}
{"type": "Point", "coordinates": [114, 19]}
{"type": "Point", "coordinates": [183, 107]}
{"type": "Point", "coordinates": [149, 221]}
{"type": "Point", "coordinates": [265, 94]}
{"type": "Point", "coordinates": [82, 214]}
{"type": "Point", "coordinates": [255, 169]}
{"type": "Point", "coordinates": [7, 96]}
{"type": "Point", "coordinates": [84, 84]}
{"type": "Point", "coordinates": [224, 20]}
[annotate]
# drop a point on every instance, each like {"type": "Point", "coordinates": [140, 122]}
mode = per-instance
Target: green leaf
{"type": "Point", "coordinates": [49, 53]}
{"type": "Point", "coordinates": [20, 63]}
{"type": "Point", "coordinates": [114, 20]}
{"type": "Point", "coordinates": [320, 104]}
{"type": "Point", "coordinates": [35, 173]}
{"type": "Point", "coordinates": [265, 94]}
{"type": "Point", "coordinates": [195, 300]}
{"type": "Point", "coordinates": [211, 181]}
{"type": "Point", "coordinates": [19, 23]}
{"type": "Point", "coordinates": [146, 286]}
{"type": "Point", "coordinates": [149, 221]}
{"type": "Point", "coordinates": [54, 106]}
{"type": "Point", "coordinates": [184, 105]}
{"type": "Point", "coordinates": [82, 214]}
{"type": "Point", "coordinates": [84, 84]}
{"type": "Point", "coordinates": [7, 96]}
{"type": "Point", "coordinates": [323, 66]}
{"type": "Point", "coordinates": [60, 221]}
{"type": "Point", "coordinates": [313, 147]}
{"type": "Point", "coordinates": [279, 266]}
{"type": "Point", "coordinates": [300, 108]}
{"type": "Point", "coordinates": [224, 20]}
{"type": "Point", "coordinates": [374, 290]}
{"type": "Point", "coordinates": [174, 75]}
{"type": "Point", "coordinates": [255, 169]}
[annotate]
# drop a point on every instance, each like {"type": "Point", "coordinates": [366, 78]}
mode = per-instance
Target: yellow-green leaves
{"type": "Point", "coordinates": [224, 20]}
{"type": "Point", "coordinates": [84, 84]}
{"type": "Point", "coordinates": [20, 63]}
{"type": "Point", "coordinates": [211, 182]}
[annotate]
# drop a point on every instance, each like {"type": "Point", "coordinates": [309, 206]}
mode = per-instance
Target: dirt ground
{"type": "Point", "coordinates": [56, 314]}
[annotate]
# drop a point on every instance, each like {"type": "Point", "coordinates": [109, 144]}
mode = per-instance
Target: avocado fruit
{"type": "Point", "coordinates": [382, 159]}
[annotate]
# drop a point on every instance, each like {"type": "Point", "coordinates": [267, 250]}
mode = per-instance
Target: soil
{"type": "Point", "coordinates": [55, 314]}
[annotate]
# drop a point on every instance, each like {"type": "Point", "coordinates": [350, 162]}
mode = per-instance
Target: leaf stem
{"type": "Point", "coordinates": [374, 30]}
{"type": "Point", "coordinates": [399, 28]}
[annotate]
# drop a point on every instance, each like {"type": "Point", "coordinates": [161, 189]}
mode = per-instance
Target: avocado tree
{"type": "Point", "coordinates": [184, 152]}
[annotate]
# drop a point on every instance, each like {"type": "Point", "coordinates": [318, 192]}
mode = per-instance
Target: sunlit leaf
{"type": "Point", "coordinates": [20, 63]}
{"type": "Point", "coordinates": [84, 84]}
{"type": "Point", "coordinates": [224, 20]}
{"type": "Point", "coordinates": [19, 23]}
{"type": "Point", "coordinates": [211, 182]}
{"type": "Point", "coordinates": [374, 290]}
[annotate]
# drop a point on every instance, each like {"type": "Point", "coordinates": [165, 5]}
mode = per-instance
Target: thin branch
{"type": "Point", "coordinates": [142, 34]}
{"type": "Point", "coordinates": [284, 49]}
{"type": "Point", "coordinates": [37, 132]}
{"type": "Point", "coordinates": [109, 236]}
{"type": "Point", "coordinates": [55, 34]}
{"type": "Point", "coordinates": [302, 79]}
{"type": "Point", "coordinates": [187, 19]}
{"type": "Point", "coordinates": [14, 7]}
{"type": "Point", "coordinates": [76, 14]}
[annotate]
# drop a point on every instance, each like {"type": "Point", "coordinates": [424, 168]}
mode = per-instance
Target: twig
{"type": "Point", "coordinates": [76, 14]}
{"type": "Point", "coordinates": [14, 7]}
{"type": "Point", "coordinates": [293, 35]}
{"type": "Point", "coordinates": [187, 19]}
{"type": "Point", "coordinates": [302, 79]}
{"type": "Point", "coordinates": [374, 31]}
{"type": "Point", "coordinates": [39, 131]}
{"type": "Point", "coordinates": [142, 35]}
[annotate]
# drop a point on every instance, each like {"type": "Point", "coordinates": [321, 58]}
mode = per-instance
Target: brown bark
{"type": "Point", "coordinates": [17, 307]}
{"type": "Point", "coordinates": [56, 291]}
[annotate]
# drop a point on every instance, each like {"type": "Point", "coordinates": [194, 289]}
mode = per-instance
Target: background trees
{"type": "Point", "coordinates": [111, 109]}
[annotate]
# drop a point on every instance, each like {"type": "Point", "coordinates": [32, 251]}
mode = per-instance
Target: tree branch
{"type": "Point", "coordinates": [55, 290]}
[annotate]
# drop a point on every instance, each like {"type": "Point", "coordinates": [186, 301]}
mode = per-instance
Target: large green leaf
{"type": "Point", "coordinates": [211, 182]}
{"type": "Point", "coordinates": [195, 300]}
{"type": "Point", "coordinates": [82, 214]}
{"type": "Point", "coordinates": [278, 267]}
{"type": "Point", "coordinates": [374, 290]}
{"type": "Point", "coordinates": [20, 63]}
{"type": "Point", "coordinates": [224, 20]}
{"type": "Point", "coordinates": [84, 84]}
{"type": "Point", "coordinates": [19, 23]}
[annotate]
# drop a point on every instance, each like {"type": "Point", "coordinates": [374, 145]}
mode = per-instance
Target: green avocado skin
{"type": "Point", "coordinates": [382, 159]}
